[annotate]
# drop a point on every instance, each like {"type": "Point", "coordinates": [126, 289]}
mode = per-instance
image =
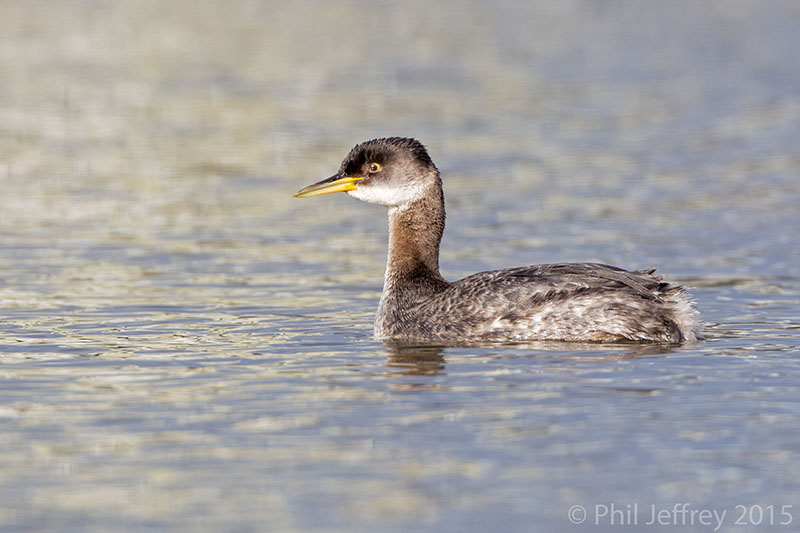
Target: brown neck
{"type": "Point", "coordinates": [415, 232]}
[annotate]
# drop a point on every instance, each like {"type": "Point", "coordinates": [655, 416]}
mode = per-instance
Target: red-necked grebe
{"type": "Point", "coordinates": [568, 301]}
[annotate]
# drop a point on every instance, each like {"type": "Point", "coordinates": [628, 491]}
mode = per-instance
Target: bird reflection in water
{"type": "Point", "coordinates": [416, 359]}
{"type": "Point", "coordinates": [421, 359]}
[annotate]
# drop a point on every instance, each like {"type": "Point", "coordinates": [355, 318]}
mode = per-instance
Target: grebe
{"type": "Point", "coordinates": [569, 301]}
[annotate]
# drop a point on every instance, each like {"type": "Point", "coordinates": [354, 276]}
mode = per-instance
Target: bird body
{"type": "Point", "coordinates": [569, 301]}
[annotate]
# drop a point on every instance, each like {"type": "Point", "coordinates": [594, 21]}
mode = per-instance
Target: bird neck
{"type": "Point", "coordinates": [415, 232]}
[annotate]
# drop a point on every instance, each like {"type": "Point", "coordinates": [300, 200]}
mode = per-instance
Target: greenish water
{"type": "Point", "coordinates": [185, 347]}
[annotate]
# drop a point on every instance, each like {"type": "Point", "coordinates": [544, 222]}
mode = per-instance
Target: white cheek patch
{"type": "Point", "coordinates": [386, 195]}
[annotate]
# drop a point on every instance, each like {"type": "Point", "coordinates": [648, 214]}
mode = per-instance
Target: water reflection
{"type": "Point", "coordinates": [616, 350]}
{"type": "Point", "coordinates": [416, 359]}
{"type": "Point", "coordinates": [428, 359]}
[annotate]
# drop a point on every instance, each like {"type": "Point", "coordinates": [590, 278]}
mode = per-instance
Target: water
{"type": "Point", "coordinates": [185, 347]}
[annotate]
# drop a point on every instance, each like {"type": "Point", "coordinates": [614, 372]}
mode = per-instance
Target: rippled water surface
{"type": "Point", "coordinates": [185, 347]}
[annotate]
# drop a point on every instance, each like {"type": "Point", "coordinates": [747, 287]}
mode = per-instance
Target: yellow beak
{"type": "Point", "coordinates": [332, 184]}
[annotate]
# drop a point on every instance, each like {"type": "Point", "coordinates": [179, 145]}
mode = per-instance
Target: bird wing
{"type": "Point", "coordinates": [562, 276]}
{"type": "Point", "coordinates": [522, 290]}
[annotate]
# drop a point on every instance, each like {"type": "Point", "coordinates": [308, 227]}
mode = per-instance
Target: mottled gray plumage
{"type": "Point", "coordinates": [569, 301]}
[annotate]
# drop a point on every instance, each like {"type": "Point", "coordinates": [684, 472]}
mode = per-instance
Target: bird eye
{"type": "Point", "coordinates": [374, 167]}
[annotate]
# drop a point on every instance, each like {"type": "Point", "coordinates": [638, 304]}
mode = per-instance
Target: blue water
{"type": "Point", "coordinates": [184, 347]}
